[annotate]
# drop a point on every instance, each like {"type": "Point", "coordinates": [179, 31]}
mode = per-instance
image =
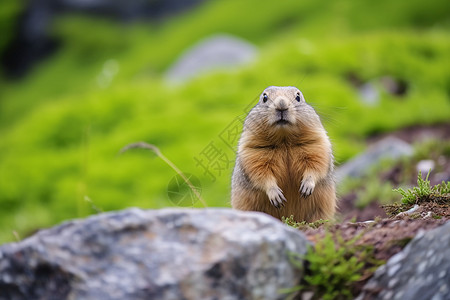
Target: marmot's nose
{"type": "Point", "coordinates": [281, 105]}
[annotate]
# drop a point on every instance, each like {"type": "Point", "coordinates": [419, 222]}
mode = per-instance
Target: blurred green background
{"type": "Point", "coordinates": [61, 126]}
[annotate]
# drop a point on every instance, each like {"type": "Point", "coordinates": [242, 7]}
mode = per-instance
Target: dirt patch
{"type": "Point", "coordinates": [387, 236]}
{"type": "Point", "coordinates": [403, 223]}
{"type": "Point", "coordinates": [434, 209]}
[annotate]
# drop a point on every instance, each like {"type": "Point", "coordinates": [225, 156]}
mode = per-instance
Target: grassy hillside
{"type": "Point", "coordinates": [62, 127]}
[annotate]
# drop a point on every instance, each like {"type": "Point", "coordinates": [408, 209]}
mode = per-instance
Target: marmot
{"type": "Point", "coordinates": [284, 164]}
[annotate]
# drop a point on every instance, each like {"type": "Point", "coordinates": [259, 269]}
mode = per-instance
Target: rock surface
{"type": "Point", "coordinates": [389, 147]}
{"type": "Point", "coordinates": [369, 94]}
{"type": "Point", "coordinates": [159, 254]}
{"type": "Point", "coordinates": [420, 271]}
{"type": "Point", "coordinates": [216, 52]}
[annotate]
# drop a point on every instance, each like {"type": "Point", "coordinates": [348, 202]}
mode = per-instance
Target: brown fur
{"type": "Point", "coordinates": [273, 156]}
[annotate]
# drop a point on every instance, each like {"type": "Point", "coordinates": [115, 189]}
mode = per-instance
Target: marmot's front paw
{"type": "Point", "coordinates": [307, 186]}
{"type": "Point", "coordinates": [276, 197]}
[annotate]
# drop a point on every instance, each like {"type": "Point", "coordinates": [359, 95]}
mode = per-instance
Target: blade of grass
{"type": "Point", "coordinates": [144, 145]}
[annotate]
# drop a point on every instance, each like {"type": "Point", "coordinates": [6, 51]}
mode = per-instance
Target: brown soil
{"type": "Point", "coordinates": [435, 210]}
{"type": "Point", "coordinates": [387, 236]}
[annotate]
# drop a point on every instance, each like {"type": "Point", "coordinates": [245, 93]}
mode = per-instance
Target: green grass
{"type": "Point", "coordinates": [303, 225]}
{"type": "Point", "coordinates": [61, 131]}
{"type": "Point", "coordinates": [334, 266]}
{"type": "Point", "coordinates": [424, 192]}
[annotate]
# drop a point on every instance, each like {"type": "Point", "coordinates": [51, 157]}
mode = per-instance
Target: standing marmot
{"type": "Point", "coordinates": [284, 164]}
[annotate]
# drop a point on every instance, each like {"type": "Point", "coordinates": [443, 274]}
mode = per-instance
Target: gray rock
{"type": "Point", "coordinates": [369, 94]}
{"type": "Point", "coordinates": [213, 53]}
{"type": "Point", "coordinates": [425, 166]}
{"type": "Point", "coordinates": [420, 271]}
{"type": "Point", "coordinates": [389, 147]}
{"type": "Point", "coordinates": [155, 254]}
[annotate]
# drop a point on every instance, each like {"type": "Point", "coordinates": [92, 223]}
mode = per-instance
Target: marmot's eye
{"type": "Point", "coordinates": [265, 97]}
{"type": "Point", "coordinates": [297, 97]}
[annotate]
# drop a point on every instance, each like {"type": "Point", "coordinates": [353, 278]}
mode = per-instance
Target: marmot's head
{"type": "Point", "coordinates": [284, 108]}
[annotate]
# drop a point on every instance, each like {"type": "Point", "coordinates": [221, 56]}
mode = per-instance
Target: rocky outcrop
{"type": "Point", "coordinates": [420, 271]}
{"type": "Point", "coordinates": [155, 254]}
{"type": "Point", "coordinates": [212, 53]}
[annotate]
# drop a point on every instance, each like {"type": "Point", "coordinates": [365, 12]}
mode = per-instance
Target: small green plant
{"type": "Point", "coordinates": [423, 191]}
{"type": "Point", "coordinates": [290, 221]}
{"type": "Point", "coordinates": [302, 225]}
{"type": "Point", "coordinates": [442, 188]}
{"type": "Point", "coordinates": [334, 266]}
